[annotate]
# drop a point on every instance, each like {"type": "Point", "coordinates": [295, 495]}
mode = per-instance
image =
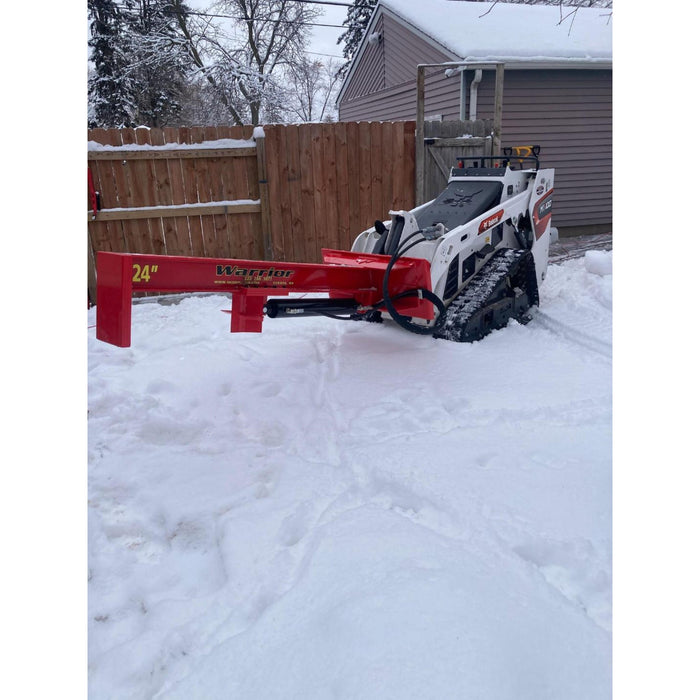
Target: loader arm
{"type": "Point", "coordinates": [343, 276]}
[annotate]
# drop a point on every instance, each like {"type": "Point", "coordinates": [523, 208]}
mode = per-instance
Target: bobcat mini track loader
{"type": "Point", "coordinates": [455, 268]}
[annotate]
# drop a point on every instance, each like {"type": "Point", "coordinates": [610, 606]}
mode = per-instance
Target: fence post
{"type": "Point", "coordinates": [259, 136]}
{"type": "Point", "coordinates": [420, 131]}
{"type": "Point", "coordinates": [498, 109]}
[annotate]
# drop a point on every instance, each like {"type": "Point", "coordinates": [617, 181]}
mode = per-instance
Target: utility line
{"type": "Point", "coordinates": [199, 13]}
{"type": "Point", "coordinates": [284, 21]}
{"type": "Point", "coordinates": [308, 24]}
{"type": "Point", "coordinates": [330, 55]}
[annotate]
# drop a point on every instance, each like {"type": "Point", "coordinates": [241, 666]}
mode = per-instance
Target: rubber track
{"type": "Point", "coordinates": [491, 288]}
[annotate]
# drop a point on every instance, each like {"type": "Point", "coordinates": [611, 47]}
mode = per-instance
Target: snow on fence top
{"type": "Point", "coordinates": [511, 32]}
{"type": "Point", "coordinates": [218, 144]}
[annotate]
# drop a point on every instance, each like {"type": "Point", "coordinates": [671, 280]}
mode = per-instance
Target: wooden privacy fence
{"type": "Point", "coordinates": [219, 192]}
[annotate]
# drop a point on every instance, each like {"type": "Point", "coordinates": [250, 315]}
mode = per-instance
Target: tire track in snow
{"type": "Point", "coordinates": [579, 252]}
{"type": "Point", "coordinates": [589, 411]}
{"type": "Point", "coordinates": [571, 334]}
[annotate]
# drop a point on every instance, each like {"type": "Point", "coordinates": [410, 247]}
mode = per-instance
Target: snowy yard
{"type": "Point", "coordinates": [346, 510]}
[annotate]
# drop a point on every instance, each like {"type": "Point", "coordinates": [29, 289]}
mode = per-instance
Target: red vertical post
{"type": "Point", "coordinates": [114, 273]}
{"type": "Point", "coordinates": [247, 310]}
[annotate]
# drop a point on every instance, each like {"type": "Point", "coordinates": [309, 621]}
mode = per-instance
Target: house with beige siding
{"type": "Point", "coordinates": [557, 89]}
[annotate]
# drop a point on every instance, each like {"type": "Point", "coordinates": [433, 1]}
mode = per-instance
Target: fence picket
{"type": "Point", "coordinates": [408, 173]}
{"type": "Point", "coordinates": [355, 218]}
{"type": "Point", "coordinates": [366, 209]}
{"type": "Point", "coordinates": [376, 168]}
{"type": "Point", "coordinates": [219, 236]}
{"type": "Point", "coordinates": [284, 194]}
{"type": "Point", "coordinates": [330, 186]}
{"type": "Point", "coordinates": [189, 180]}
{"type": "Point", "coordinates": [248, 187]}
{"type": "Point", "coordinates": [388, 163]}
{"type": "Point", "coordinates": [294, 188]}
{"type": "Point", "coordinates": [181, 243]}
{"type": "Point", "coordinates": [307, 195]}
{"type": "Point", "coordinates": [343, 238]}
{"type": "Point", "coordinates": [204, 193]}
{"type": "Point", "coordinates": [164, 193]}
{"type": "Point", "coordinates": [272, 150]}
{"type": "Point", "coordinates": [317, 167]}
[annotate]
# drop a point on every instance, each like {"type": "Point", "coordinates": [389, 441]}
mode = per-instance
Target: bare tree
{"type": "Point", "coordinates": [312, 85]}
{"type": "Point", "coordinates": [567, 8]}
{"type": "Point", "coordinates": [242, 48]}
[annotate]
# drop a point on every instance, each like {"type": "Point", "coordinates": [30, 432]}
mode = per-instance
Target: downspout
{"type": "Point", "coordinates": [473, 91]}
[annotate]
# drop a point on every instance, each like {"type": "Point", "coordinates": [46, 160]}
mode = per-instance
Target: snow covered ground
{"type": "Point", "coordinates": [346, 510]}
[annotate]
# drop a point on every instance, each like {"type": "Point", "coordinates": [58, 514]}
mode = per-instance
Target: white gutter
{"type": "Point", "coordinates": [543, 63]}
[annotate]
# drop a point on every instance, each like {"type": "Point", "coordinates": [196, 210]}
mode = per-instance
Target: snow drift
{"type": "Point", "coordinates": [337, 509]}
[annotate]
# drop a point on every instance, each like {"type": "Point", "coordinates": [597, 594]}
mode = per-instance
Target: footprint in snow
{"type": "Point", "coordinates": [486, 460]}
{"type": "Point", "coordinates": [270, 390]}
{"type": "Point", "coordinates": [160, 386]}
{"type": "Point", "coordinates": [295, 526]}
{"type": "Point", "coordinates": [224, 389]}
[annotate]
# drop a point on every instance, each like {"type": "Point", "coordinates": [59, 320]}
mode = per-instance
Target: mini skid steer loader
{"type": "Point", "coordinates": [456, 267]}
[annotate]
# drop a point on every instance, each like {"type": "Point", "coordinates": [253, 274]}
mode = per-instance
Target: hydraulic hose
{"type": "Point", "coordinates": [404, 321]}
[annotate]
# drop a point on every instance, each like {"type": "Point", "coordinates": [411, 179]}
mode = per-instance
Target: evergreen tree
{"type": "Point", "coordinates": [159, 61]}
{"type": "Point", "coordinates": [356, 22]}
{"type": "Point", "coordinates": [140, 63]}
{"type": "Point", "coordinates": [109, 92]}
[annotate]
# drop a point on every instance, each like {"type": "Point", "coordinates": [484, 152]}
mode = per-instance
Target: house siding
{"type": "Point", "coordinates": [369, 76]}
{"type": "Point", "coordinates": [404, 50]}
{"type": "Point", "coordinates": [383, 84]}
{"type": "Point", "coordinates": [567, 112]}
{"type": "Point", "coordinates": [398, 102]}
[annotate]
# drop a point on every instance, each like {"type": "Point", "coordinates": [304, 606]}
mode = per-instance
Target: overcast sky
{"type": "Point", "coordinates": [325, 38]}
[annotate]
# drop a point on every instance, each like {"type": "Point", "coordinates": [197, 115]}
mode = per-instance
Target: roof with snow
{"type": "Point", "coordinates": [482, 31]}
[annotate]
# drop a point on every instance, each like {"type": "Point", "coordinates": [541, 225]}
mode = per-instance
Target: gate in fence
{"type": "Point", "coordinates": [445, 142]}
